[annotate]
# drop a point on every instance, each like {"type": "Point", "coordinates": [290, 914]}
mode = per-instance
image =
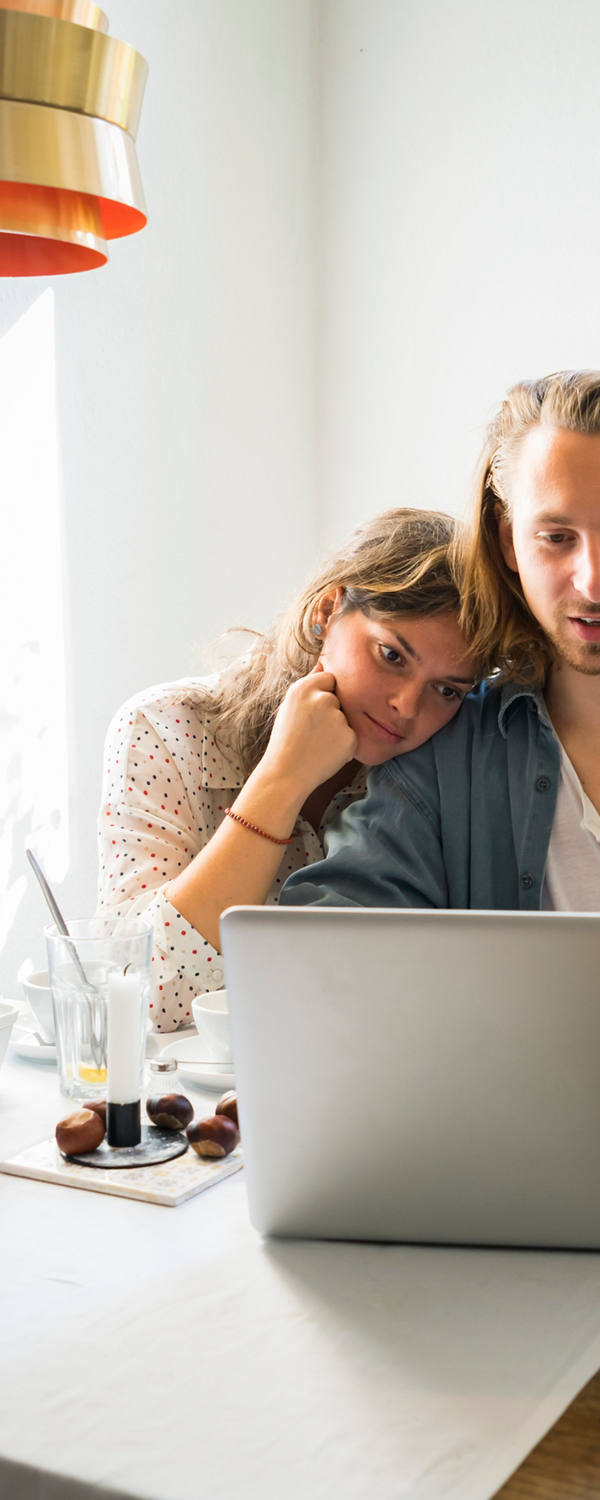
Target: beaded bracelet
{"type": "Point", "coordinates": [253, 828]}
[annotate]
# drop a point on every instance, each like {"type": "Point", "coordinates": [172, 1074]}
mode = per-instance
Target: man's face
{"type": "Point", "coordinates": [553, 538]}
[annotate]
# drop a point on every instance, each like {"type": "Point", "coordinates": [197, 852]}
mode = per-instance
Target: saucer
{"type": "Point", "coordinates": [188, 1051]}
{"type": "Point", "coordinates": [24, 1042]}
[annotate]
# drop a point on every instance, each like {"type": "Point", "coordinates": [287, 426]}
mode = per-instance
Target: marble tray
{"type": "Point", "coordinates": [168, 1183]}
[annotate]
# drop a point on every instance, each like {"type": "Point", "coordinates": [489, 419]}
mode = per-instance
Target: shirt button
{"type": "Point", "coordinates": [218, 974]}
{"type": "Point", "coordinates": [542, 784]}
{"type": "Point", "coordinates": [526, 882]}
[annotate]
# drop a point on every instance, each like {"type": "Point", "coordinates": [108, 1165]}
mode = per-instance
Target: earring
{"type": "Point", "coordinates": [317, 629]}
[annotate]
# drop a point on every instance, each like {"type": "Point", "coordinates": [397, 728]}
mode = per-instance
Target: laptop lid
{"type": "Point", "coordinates": [418, 1075]}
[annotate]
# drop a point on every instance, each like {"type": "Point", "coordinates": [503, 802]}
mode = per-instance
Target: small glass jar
{"type": "Point", "coordinates": [162, 1077]}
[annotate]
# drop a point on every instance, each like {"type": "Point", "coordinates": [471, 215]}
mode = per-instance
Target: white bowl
{"type": "Point", "coordinates": [211, 1015]}
{"type": "Point", "coordinates": [39, 994]}
{"type": "Point", "coordinates": [8, 1016]}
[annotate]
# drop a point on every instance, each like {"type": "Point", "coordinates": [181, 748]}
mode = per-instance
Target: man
{"type": "Point", "coordinates": [501, 809]}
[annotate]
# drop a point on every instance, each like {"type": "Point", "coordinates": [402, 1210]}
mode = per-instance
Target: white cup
{"type": "Point", "coordinates": [39, 994]}
{"type": "Point", "coordinates": [212, 1024]}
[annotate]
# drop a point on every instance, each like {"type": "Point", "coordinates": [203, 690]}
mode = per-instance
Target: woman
{"type": "Point", "coordinates": [215, 790]}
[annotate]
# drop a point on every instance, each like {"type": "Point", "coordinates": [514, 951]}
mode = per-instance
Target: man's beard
{"type": "Point", "coordinates": [582, 656]}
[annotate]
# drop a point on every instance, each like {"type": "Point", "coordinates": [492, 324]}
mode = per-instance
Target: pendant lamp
{"type": "Point", "coordinates": [70, 104]}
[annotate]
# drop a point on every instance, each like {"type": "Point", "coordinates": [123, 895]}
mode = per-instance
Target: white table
{"type": "Point", "coordinates": [170, 1353]}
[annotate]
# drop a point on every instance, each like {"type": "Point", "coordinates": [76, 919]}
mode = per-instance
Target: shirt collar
{"type": "Point", "coordinates": [509, 695]}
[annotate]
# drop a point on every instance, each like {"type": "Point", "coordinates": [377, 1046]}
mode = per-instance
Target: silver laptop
{"type": "Point", "coordinates": [418, 1075]}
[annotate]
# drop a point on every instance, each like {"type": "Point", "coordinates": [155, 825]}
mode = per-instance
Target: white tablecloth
{"type": "Point", "coordinates": [170, 1353]}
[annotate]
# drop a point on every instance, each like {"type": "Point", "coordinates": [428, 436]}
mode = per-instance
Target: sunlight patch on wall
{"type": "Point", "coordinates": [33, 724]}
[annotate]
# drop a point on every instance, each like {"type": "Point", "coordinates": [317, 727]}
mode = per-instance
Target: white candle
{"type": "Point", "coordinates": [124, 1045]}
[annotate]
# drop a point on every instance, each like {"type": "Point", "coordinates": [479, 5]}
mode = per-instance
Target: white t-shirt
{"type": "Point", "coordinates": [572, 878]}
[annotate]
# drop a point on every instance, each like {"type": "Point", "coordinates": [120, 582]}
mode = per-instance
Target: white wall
{"type": "Point", "coordinates": [460, 228]}
{"type": "Point", "coordinates": [184, 391]}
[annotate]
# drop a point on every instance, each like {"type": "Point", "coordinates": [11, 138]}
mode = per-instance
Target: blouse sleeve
{"type": "Point", "coordinates": [148, 833]}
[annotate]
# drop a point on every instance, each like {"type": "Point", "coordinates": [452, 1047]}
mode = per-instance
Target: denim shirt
{"type": "Point", "coordinates": [464, 821]}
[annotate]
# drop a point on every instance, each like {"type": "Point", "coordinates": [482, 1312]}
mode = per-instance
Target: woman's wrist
{"type": "Point", "coordinates": [271, 799]}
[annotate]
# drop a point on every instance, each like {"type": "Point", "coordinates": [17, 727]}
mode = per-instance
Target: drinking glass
{"type": "Point", "coordinates": [105, 945]}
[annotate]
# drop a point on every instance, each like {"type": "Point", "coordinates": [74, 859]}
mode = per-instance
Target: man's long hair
{"type": "Point", "coordinates": [499, 625]}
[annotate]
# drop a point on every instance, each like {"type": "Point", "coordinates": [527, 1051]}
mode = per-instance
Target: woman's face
{"type": "Point", "coordinates": [399, 678]}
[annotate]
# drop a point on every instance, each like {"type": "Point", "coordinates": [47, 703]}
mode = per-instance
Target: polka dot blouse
{"type": "Point", "coordinates": [164, 793]}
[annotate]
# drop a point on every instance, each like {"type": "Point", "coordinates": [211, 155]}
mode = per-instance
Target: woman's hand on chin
{"type": "Point", "coordinates": [311, 738]}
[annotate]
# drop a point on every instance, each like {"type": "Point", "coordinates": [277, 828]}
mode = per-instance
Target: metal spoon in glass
{"type": "Point", "coordinates": [91, 994]}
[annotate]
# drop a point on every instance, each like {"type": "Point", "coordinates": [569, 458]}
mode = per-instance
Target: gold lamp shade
{"type": "Point", "coordinates": [47, 232]}
{"type": "Point", "coordinates": [70, 102]}
{"type": "Point", "coordinates": [84, 12]}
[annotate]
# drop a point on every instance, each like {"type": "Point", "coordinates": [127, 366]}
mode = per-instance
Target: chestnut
{"type": "Point", "coordinates": [228, 1106]}
{"type": "Point", "coordinates": [99, 1108]}
{"type": "Point", "coordinates": [170, 1111]}
{"type": "Point", "coordinates": [216, 1136]}
{"type": "Point", "coordinates": [79, 1132]}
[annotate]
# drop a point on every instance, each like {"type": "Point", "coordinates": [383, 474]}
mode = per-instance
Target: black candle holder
{"type": "Point", "coordinates": [123, 1124]}
{"type": "Point", "coordinates": [155, 1146]}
